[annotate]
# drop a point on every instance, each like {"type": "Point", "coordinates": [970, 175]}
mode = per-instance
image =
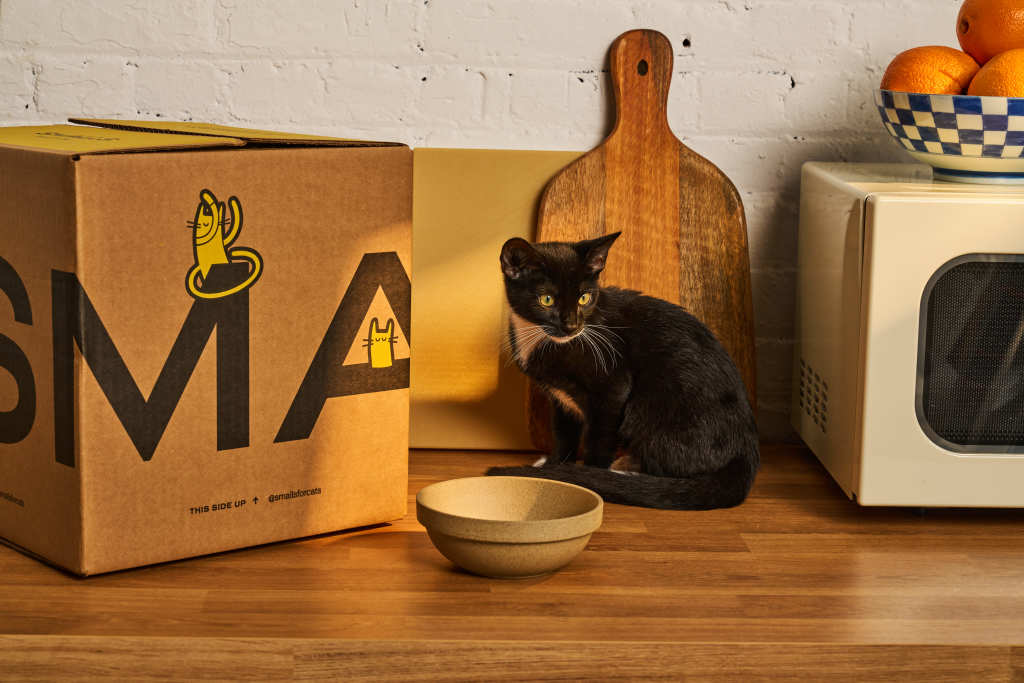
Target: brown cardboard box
{"type": "Point", "coordinates": [173, 389]}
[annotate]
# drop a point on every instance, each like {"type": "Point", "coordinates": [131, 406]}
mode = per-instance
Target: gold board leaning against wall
{"type": "Point", "coordinates": [467, 202]}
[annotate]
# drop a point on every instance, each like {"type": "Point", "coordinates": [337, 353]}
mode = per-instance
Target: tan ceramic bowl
{"type": "Point", "coordinates": [509, 527]}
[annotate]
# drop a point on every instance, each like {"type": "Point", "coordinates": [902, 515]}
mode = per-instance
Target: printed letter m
{"type": "Point", "coordinates": [75, 321]}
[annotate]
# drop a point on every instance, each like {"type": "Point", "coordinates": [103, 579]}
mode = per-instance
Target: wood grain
{"type": "Point", "coordinates": [797, 581]}
{"type": "Point", "coordinates": [684, 236]}
{"type": "Point", "coordinates": [139, 659]}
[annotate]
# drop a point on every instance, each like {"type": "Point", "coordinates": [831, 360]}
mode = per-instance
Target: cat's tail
{"type": "Point", "coordinates": [724, 488]}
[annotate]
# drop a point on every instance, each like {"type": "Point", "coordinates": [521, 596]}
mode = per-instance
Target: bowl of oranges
{"type": "Point", "coordinates": [962, 111]}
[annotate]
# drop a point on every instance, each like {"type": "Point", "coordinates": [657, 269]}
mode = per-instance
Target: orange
{"type": "Point", "coordinates": [932, 69]}
{"type": "Point", "coordinates": [987, 27]}
{"type": "Point", "coordinates": [1003, 76]}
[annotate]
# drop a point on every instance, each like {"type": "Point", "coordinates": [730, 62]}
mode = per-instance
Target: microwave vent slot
{"type": "Point", "coordinates": [814, 395]}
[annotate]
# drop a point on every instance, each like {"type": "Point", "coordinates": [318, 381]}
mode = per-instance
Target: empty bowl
{"type": "Point", "coordinates": [964, 138]}
{"type": "Point", "coordinates": [509, 527]}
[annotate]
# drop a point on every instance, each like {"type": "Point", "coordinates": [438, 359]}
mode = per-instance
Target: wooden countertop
{"type": "Point", "coordinates": [798, 581]}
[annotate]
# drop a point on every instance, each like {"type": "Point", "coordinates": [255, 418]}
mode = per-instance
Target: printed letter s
{"type": "Point", "coordinates": [15, 424]}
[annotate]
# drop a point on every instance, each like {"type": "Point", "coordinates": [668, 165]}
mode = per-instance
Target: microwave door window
{"type": "Point", "coordinates": [971, 364]}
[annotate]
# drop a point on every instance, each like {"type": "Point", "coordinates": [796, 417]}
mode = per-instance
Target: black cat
{"type": "Point", "coordinates": [632, 375]}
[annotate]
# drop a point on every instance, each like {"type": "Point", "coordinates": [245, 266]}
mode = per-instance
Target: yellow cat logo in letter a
{"type": "Point", "coordinates": [381, 344]}
{"type": "Point", "coordinates": [212, 236]}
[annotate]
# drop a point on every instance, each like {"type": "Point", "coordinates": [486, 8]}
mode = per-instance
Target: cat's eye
{"type": "Point", "coordinates": [585, 298]}
{"type": "Point", "coordinates": [546, 300]}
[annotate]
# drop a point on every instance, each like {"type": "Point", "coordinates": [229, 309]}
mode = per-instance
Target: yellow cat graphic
{"type": "Point", "coordinates": [380, 344]}
{"type": "Point", "coordinates": [211, 246]}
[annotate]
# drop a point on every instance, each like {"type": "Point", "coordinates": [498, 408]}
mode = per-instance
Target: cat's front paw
{"type": "Point", "coordinates": [540, 462]}
{"type": "Point", "coordinates": [625, 465]}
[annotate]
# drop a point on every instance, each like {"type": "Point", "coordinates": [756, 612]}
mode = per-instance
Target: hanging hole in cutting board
{"type": "Point", "coordinates": [641, 68]}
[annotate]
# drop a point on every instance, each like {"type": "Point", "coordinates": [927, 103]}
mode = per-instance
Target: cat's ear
{"type": "Point", "coordinates": [517, 257]}
{"type": "Point", "coordinates": [594, 253]}
{"type": "Point", "coordinates": [374, 326]}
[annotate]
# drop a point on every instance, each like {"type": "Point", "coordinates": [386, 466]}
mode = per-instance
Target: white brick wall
{"type": "Point", "coordinates": [760, 87]}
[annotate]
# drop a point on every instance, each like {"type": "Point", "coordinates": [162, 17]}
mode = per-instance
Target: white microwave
{"type": "Point", "coordinates": [908, 370]}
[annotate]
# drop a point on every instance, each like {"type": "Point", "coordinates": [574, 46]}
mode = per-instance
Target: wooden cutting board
{"type": "Point", "coordinates": [684, 236]}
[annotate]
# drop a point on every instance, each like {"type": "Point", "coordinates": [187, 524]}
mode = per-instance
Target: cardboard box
{"type": "Point", "coordinates": [204, 336]}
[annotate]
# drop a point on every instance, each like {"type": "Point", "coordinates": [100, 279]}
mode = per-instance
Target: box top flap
{"type": "Point", "coordinates": [72, 140]}
{"type": "Point", "coordinates": [247, 135]}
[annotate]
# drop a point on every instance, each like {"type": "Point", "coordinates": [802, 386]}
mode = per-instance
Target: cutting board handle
{"type": "Point", "coordinates": [641, 70]}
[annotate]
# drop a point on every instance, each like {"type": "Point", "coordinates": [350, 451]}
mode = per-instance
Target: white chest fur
{"type": "Point", "coordinates": [527, 337]}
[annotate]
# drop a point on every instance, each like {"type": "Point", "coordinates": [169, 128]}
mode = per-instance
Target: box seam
{"type": "Point", "coordinates": [246, 140]}
{"type": "Point", "coordinates": [78, 362]}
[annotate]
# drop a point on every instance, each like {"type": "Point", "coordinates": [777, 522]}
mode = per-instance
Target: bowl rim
{"type": "Point", "coordinates": [508, 530]}
{"type": "Point", "coordinates": [934, 94]}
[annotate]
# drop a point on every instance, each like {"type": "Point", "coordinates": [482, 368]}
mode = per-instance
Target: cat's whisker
{"type": "Point", "coordinates": [528, 336]}
{"type": "Point", "coordinates": [608, 330]}
{"type": "Point", "coordinates": [605, 335]}
{"type": "Point", "coordinates": [613, 351]}
{"type": "Point", "coordinates": [609, 333]}
{"type": "Point", "coordinates": [509, 351]}
{"type": "Point", "coordinates": [599, 362]}
{"type": "Point", "coordinates": [607, 348]}
{"type": "Point", "coordinates": [513, 351]}
{"type": "Point", "coordinates": [607, 343]}
{"type": "Point", "coordinates": [531, 333]}
{"type": "Point", "coordinates": [605, 362]}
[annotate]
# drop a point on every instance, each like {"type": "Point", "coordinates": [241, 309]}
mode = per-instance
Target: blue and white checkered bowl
{"type": "Point", "coordinates": [964, 138]}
